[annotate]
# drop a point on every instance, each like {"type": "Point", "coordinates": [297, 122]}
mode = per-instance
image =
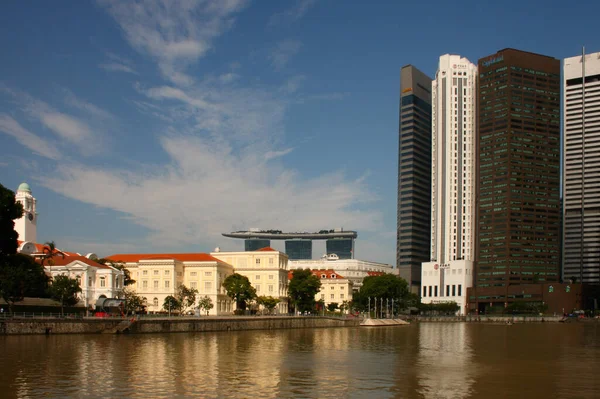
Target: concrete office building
{"type": "Point", "coordinates": [581, 168]}
{"type": "Point", "coordinates": [414, 175]}
{"type": "Point", "coordinates": [448, 274]}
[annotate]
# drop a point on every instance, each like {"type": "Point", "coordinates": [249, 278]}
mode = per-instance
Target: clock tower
{"type": "Point", "coordinates": [26, 225]}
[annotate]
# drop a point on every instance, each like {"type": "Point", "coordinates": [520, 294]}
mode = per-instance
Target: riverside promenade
{"type": "Point", "coordinates": [25, 326]}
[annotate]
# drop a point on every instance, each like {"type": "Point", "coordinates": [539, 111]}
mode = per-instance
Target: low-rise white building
{"type": "Point", "coordinates": [335, 288]}
{"type": "Point", "coordinates": [353, 269]}
{"type": "Point", "coordinates": [447, 282]}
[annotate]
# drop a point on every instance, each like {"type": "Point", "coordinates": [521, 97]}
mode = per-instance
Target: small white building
{"type": "Point", "coordinates": [335, 288]}
{"type": "Point", "coordinates": [353, 269]}
{"type": "Point", "coordinates": [447, 282]}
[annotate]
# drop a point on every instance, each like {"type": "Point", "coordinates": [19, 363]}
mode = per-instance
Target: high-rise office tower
{"type": "Point", "coordinates": [581, 168]}
{"type": "Point", "coordinates": [518, 192]}
{"type": "Point", "coordinates": [414, 175]}
{"type": "Point", "coordinates": [450, 272]}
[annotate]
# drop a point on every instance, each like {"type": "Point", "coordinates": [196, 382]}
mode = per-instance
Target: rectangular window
{"type": "Point", "coordinates": [332, 296]}
{"type": "Point", "coordinates": [257, 277]}
{"type": "Point", "coordinates": [257, 287]}
{"type": "Point", "coordinates": [270, 261]}
{"type": "Point", "coordinates": [193, 274]}
{"type": "Point", "coordinates": [155, 284]}
{"type": "Point", "coordinates": [435, 293]}
{"type": "Point", "coordinates": [341, 296]}
{"type": "Point", "coordinates": [167, 284]}
{"type": "Point", "coordinates": [167, 272]}
{"type": "Point", "coordinates": [430, 289]}
{"type": "Point", "coordinates": [208, 274]}
{"type": "Point", "coordinates": [453, 290]}
{"type": "Point", "coordinates": [270, 288]}
{"type": "Point", "coordinates": [156, 272]}
{"type": "Point", "coordinates": [270, 277]}
{"type": "Point", "coordinates": [322, 296]}
{"type": "Point", "coordinates": [207, 286]}
{"type": "Point", "coordinates": [102, 282]}
{"type": "Point", "coordinates": [447, 290]}
{"type": "Point", "coordinates": [89, 281]}
{"type": "Point", "coordinates": [145, 272]}
{"type": "Point", "coordinates": [145, 284]}
{"type": "Point", "coordinates": [258, 261]}
{"type": "Point", "coordinates": [459, 290]}
{"type": "Point", "coordinates": [424, 292]}
{"type": "Point", "coordinates": [193, 284]}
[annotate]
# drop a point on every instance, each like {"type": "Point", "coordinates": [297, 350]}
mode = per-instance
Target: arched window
{"type": "Point", "coordinates": [155, 302]}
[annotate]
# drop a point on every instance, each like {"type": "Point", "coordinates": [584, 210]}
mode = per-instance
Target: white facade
{"type": "Point", "coordinates": [353, 269]}
{"type": "Point", "coordinates": [581, 168]}
{"type": "Point", "coordinates": [447, 282]}
{"type": "Point", "coordinates": [453, 174]}
{"type": "Point", "coordinates": [94, 279]}
{"type": "Point", "coordinates": [334, 288]}
{"type": "Point", "coordinates": [26, 226]}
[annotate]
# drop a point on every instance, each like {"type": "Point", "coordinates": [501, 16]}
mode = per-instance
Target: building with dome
{"type": "Point", "coordinates": [26, 226]}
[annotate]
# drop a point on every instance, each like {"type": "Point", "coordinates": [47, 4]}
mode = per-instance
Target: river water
{"type": "Point", "coordinates": [430, 360]}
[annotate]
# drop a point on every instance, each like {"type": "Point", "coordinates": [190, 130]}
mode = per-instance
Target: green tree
{"type": "Point", "coordinates": [186, 297]}
{"type": "Point", "coordinates": [50, 252]}
{"type": "Point", "coordinates": [133, 302]}
{"type": "Point", "coordinates": [239, 289]}
{"type": "Point", "coordinates": [21, 276]}
{"type": "Point", "coordinates": [268, 302]}
{"type": "Point", "coordinates": [302, 289]}
{"type": "Point", "coordinates": [205, 304]}
{"type": "Point", "coordinates": [64, 290]}
{"type": "Point", "coordinates": [332, 307]}
{"type": "Point", "coordinates": [344, 306]}
{"type": "Point", "coordinates": [171, 303]}
{"type": "Point", "coordinates": [386, 286]}
{"type": "Point", "coordinates": [10, 210]}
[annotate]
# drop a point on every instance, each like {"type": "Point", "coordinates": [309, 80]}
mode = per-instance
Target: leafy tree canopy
{"type": "Point", "coordinates": [186, 297]}
{"type": "Point", "coordinates": [21, 276]}
{"type": "Point", "coordinates": [302, 289]}
{"type": "Point", "coordinates": [332, 307]}
{"type": "Point", "coordinates": [65, 289]}
{"type": "Point", "coordinates": [10, 210]}
{"type": "Point", "coordinates": [239, 289]}
{"type": "Point", "coordinates": [205, 304]}
{"type": "Point", "coordinates": [171, 303]}
{"type": "Point", "coordinates": [133, 302]}
{"type": "Point", "coordinates": [119, 266]}
{"type": "Point", "coordinates": [268, 302]}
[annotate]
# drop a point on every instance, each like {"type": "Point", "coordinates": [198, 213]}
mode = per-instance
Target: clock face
{"type": "Point", "coordinates": [30, 216]}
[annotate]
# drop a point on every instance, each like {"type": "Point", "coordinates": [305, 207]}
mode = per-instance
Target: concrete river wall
{"type": "Point", "coordinates": [163, 325]}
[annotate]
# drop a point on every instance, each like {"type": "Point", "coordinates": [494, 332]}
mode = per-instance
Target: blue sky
{"type": "Point", "coordinates": [157, 125]}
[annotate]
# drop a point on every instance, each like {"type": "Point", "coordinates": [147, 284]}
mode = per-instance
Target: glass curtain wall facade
{"type": "Point", "coordinates": [414, 175]}
{"type": "Point", "coordinates": [581, 168]}
{"type": "Point", "coordinates": [298, 249]}
{"type": "Point", "coordinates": [342, 247]}
{"type": "Point", "coordinates": [256, 244]}
{"type": "Point", "coordinates": [518, 240]}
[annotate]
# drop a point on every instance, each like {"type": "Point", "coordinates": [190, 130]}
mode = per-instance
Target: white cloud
{"type": "Point", "coordinates": [292, 14]}
{"type": "Point", "coordinates": [277, 154]}
{"type": "Point", "coordinates": [116, 67]}
{"type": "Point", "coordinates": [72, 100]}
{"type": "Point", "coordinates": [66, 127]}
{"type": "Point", "coordinates": [228, 77]}
{"type": "Point", "coordinates": [174, 34]}
{"type": "Point", "coordinates": [293, 84]}
{"type": "Point", "coordinates": [283, 52]}
{"type": "Point", "coordinates": [30, 140]}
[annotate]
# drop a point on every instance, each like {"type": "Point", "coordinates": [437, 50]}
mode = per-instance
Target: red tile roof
{"type": "Point", "coordinates": [134, 258]}
{"type": "Point", "coordinates": [58, 260]}
{"type": "Point", "coordinates": [329, 273]}
{"type": "Point", "coordinates": [267, 249]}
{"type": "Point", "coordinates": [375, 273]}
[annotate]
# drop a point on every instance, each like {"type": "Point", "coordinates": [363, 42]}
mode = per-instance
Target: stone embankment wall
{"type": "Point", "coordinates": [96, 326]}
{"type": "Point", "coordinates": [487, 319]}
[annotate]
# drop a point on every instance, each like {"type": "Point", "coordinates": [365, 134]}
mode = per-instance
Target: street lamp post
{"type": "Point", "coordinates": [381, 307]}
{"type": "Point", "coordinates": [369, 308]}
{"type": "Point", "coordinates": [375, 310]}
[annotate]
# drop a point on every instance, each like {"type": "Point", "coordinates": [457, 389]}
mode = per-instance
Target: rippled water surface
{"type": "Point", "coordinates": [418, 361]}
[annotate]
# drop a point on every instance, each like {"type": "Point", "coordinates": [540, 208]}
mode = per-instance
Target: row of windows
{"type": "Point", "coordinates": [433, 290]}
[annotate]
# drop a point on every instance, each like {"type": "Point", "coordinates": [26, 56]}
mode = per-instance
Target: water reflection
{"type": "Point", "coordinates": [427, 360]}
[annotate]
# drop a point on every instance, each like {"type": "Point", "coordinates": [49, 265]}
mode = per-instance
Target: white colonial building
{"type": "Point", "coordinates": [453, 178]}
{"type": "Point", "coordinates": [335, 288]}
{"type": "Point", "coordinates": [353, 269]}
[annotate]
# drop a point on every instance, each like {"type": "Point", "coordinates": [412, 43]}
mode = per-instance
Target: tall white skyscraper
{"type": "Point", "coordinates": [453, 172]}
{"type": "Point", "coordinates": [581, 168]}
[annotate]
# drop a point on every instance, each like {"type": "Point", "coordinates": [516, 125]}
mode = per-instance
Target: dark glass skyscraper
{"type": "Point", "coordinates": [342, 247]}
{"type": "Point", "coordinates": [298, 249]}
{"type": "Point", "coordinates": [414, 175]}
{"type": "Point", "coordinates": [518, 202]}
{"type": "Point", "coordinates": [256, 244]}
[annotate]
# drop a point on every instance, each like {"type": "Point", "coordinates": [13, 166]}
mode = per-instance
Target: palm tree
{"type": "Point", "coordinates": [49, 252]}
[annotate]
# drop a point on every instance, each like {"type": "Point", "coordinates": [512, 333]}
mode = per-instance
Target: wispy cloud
{"type": "Point", "coordinates": [283, 52]}
{"type": "Point", "coordinates": [277, 154]}
{"type": "Point", "coordinates": [292, 14]}
{"type": "Point", "coordinates": [116, 67]}
{"type": "Point", "coordinates": [29, 140]}
{"type": "Point", "coordinates": [228, 77]}
{"type": "Point", "coordinates": [175, 35]}
{"type": "Point", "coordinates": [293, 84]}
{"type": "Point", "coordinates": [72, 100]}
